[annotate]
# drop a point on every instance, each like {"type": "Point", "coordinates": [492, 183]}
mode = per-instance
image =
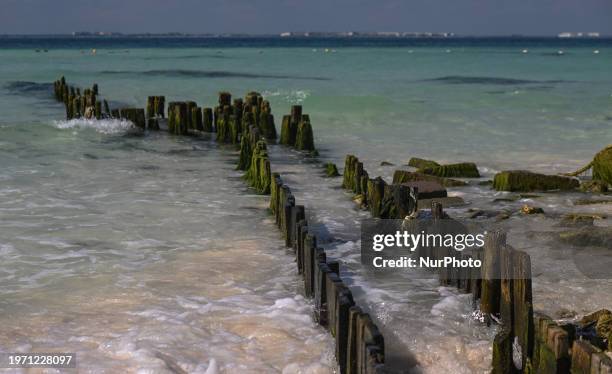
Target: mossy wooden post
{"type": "Point", "coordinates": [320, 294]}
{"type": "Point", "coordinates": [135, 115]}
{"type": "Point", "coordinates": [234, 129]}
{"type": "Point", "coordinates": [115, 114]}
{"type": "Point", "coordinates": [490, 298]}
{"type": "Point", "coordinates": [522, 298]}
{"type": "Point", "coordinates": [331, 170]}
{"type": "Point", "coordinates": [304, 140]}
{"type": "Point", "coordinates": [196, 118]}
{"type": "Point", "coordinates": [350, 366]}
{"type": "Point", "coordinates": [310, 244]}
{"type": "Point", "coordinates": [344, 302]}
{"type": "Point", "coordinates": [244, 161]}
{"type": "Point", "coordinates": [98, 110]}
{"type": "Point", "coordinates": [582, 351]}
{"type": "Point", "coordinates": [177, 113]}
{"type": "Point", "coordinates": [223, 126]}
{"type": "Point", "coordinates": [375, 194]}
{"type": "Point", "coordinates": [298, 213]}
{"type": "Point", "coordinates": [188, 118]}
{"type": "Point", "coordinates": [106, 108]}
{"type": "Point", "coordinates": [502, 352]}
{"type": "Point", "coordinates": [95, 89]}
{"type": "Point", "coordinates": [266, 125]}
{"type": "Point", "coordinates": [275, 186]}
{"type": "Point", "coordinates": [349, 172]}
{"type": "Point", "coordinates": [259, 175]}
{"type": "Point", "coordinates": [207, 120]}
{"type": "Point", "coordinates": [288, 131]}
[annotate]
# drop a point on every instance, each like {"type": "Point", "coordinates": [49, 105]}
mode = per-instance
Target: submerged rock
{"type": "Point", "coordinates": [526, 181]}
{"type": "Point", "coordinates": [331, 170]}
{"type": "Point", "coordinates": [386, 163]}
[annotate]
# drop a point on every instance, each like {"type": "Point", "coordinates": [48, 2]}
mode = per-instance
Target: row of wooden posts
{"type": "Point", "coordinates": [228, 119]}
{"type": "Point", "coordinates": [501, 289]}
{"type": "Point", "coordinates": [526, 341]}
{"type": "Point", "coordinates": [250, 123]}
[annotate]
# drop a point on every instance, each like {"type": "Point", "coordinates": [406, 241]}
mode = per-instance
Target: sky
{"type": "Point", "coordinates": [464, 17]}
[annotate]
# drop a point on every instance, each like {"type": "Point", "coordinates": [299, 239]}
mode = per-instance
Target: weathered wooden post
{"type": "Point", "coordinates": [490, 298]}
{"type": "Point", "coordinates": [304, 140]}
{"type": "Point", "coordinates": [196, 119]}
{"type": "Point", "coordinates": [207, 120]}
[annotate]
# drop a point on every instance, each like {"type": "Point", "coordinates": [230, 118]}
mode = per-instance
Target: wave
{"type": "Point", "coordinates": [27, 88]}
{"type": "Point", "coordinates": [291, 96]}
{"type": "Point", "coordinates": [207, 74]}
{"type": "Point", "coordinates": [461, 79]}
{"type": "Point", "coordinates": [103, 126]}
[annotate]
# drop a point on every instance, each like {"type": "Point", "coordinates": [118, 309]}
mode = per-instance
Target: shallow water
{"type": "Point", "coordinates": [150, 252]}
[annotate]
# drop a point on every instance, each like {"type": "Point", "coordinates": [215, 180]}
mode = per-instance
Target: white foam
{"type": "Point", "coordinates": [104, 126]}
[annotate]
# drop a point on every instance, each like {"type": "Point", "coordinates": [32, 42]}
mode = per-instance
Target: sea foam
{"type": "Point", "coordinates": [103, 126]}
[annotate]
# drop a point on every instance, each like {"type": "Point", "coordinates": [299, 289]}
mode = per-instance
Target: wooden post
{"type": "Point", "coordinates": [491, 285]}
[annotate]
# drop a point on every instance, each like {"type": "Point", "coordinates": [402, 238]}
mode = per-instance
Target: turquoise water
{"type": "Point", "coordinates": [141, 253]}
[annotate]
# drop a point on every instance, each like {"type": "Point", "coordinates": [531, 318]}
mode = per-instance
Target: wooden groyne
{"type": "Point", "coordinates": [526, 342]}
{"type": "Point", "coordinates": [501, 290]}
{"type": "Point", "coordinates": [249, 123]}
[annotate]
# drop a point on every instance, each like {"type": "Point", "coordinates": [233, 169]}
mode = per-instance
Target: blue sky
{"type": "Point", "coordinates": [467, 17]}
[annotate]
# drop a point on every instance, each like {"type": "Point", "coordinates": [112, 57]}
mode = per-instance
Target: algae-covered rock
{"type": "Point", "coordinates": [594, 186]}
{"type": "Point", "coordinates": [403, 176]}
{"type": "Point", "coordinates": [526, 181]}
{"type": "Point", "coordinates": [461, 170]}
{"type": "Point", "coordinates": [331, 170]}
{"type": "Point", "coordinates": [421, 163]}
{"type": "Point", "coordinates": [602, 166]}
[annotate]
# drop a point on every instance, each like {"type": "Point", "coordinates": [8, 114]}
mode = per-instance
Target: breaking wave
{"type": "Point", "coordinates": [103, 126]}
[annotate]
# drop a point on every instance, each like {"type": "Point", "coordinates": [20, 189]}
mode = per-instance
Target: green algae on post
{"type": "Point", "coordinates": [259, 175]}
{"type": "Point", "coordinates": [331, 170]}
{"type": "Point", "coordinates": [304, 140]}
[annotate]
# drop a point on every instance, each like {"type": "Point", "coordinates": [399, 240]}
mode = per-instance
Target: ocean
{"type": "Point", "coordinates": [150, 253]}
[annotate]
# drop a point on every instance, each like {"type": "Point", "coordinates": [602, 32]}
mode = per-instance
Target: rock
{"type": "Point", "coordinates": [526, 181]}
{"type": "Point", "coordinates": [421, 163]}
{"type": "Point", "coordinates": [528, 209]}
{"type": "Point", "coordinates": [461, 170]}
{"type": "Point", "coordinates": [602, 166]}
{"type": "Point", "coordinates": [579, 219]}
{"type": "Point", "coordinates": [594, 186]}
{"type": "Point", "coordinates": [428, 189]}
{"type": "Point", "coordinates": [403, 176]}
{"type": "Point", "coordinates": [592, 201]}
{"type": "Point", "coordinates": [331, 170]}
{"type": "Point", "coordinates": [386, 163]}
